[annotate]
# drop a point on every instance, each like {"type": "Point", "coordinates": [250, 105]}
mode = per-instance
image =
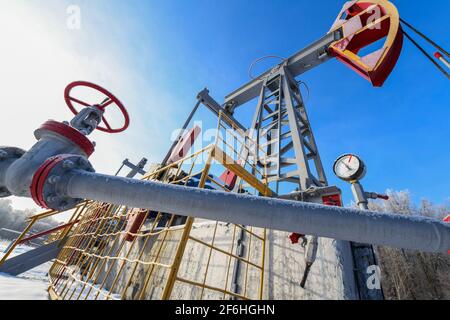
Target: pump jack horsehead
{"type": "Point", "coordinates": [363, 23]}
{"type": "Point", "coordinates": [57, 174]}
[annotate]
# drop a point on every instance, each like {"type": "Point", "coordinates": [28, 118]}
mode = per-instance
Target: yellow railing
{"type": "Point", "coordinates": [116, 252]}
{"type": "Point", "coordinates": [57, 235]}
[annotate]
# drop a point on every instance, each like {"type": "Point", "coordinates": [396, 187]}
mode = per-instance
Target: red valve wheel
{"type": "Point", "coordinates": [108, 101]}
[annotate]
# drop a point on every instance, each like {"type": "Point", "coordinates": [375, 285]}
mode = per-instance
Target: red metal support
{"type": "Point", "coordinates": [229, 178]}
{"type": "Point", "coordinates": [134, 223]}
{"type": "Point", "coordinates": [184, 145]}
{"type": "Point", "coordinates": [50, 231]}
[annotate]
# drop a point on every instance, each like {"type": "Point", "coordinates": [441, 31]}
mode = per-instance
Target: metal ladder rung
{"type": "Point", "coordinates": [286, 135]}
{"type": "Point", "coordinates": [308, 145]}
{"type": "Point", "coordinates": [286, 148]}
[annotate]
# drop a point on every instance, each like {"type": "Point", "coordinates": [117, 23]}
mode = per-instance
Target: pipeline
{"type": "Point", "coordinates": [399, 231]}
{"type": "Point", "coordinates": [57, 174]}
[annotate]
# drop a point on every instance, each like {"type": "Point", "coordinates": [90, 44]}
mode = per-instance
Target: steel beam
{"type": "Point", "coordinates": [31, 259]}
{"type": "Point", "coordinates": [304, 60]}
{"type": "Point", "coordinates": [204, 97]}
{"type": "Point", "coordinates": [400, 231]}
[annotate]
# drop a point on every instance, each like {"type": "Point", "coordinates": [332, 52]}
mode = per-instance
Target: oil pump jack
{"type": "Point", "coordinates": [56, 172]}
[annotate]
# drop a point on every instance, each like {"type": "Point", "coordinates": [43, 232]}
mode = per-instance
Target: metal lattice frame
{"type": "Point", "coordinates": [282, 123]}
{"type": "Point", "coordinates": [97, 261]}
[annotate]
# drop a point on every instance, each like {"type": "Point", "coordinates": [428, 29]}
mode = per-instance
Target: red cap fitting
{"type": "Point", "coordinates": [382, 196]}
{"type": "Point", "coordinates": [294, 237]}
{"type": "Point", "coordinates": [438, 55]}
{"type": "Point", "coordinates": [70, 133]}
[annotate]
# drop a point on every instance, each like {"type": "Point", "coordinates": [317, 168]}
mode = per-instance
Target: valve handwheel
{"type": "Point", "coordinates": [109, 100]}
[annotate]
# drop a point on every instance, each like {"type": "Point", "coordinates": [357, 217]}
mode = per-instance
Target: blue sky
{"type": "Point", "coordinates": [156, 56]}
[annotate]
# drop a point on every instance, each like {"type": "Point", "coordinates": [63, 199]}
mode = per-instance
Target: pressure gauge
{"type": "Point", "coordinates": [349, 168]}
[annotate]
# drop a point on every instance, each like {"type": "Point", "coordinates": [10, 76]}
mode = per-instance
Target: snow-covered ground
{"type": "Point", "coordinates": [31, 285]}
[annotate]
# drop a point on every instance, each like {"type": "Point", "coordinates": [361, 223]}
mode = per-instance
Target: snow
{"type": "Point", "coordinates": [18, 288]}
{"type": "Point", "coordinates": [31, 285]}
{"type": "Point", "coordinates": [90, 292]}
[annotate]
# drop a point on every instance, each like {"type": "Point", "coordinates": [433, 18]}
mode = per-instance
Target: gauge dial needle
{"type": "Point", "coordinates": [347, 167]}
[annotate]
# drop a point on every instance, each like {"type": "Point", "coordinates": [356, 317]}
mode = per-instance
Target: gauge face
{"type": "Point", "coordinates": [349, 167]}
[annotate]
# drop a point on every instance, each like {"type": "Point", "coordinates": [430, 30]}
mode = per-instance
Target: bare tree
{"type": "Point", "coordinates": [14, 219]}
{"type": "Point", "coordinates": [408, 274]}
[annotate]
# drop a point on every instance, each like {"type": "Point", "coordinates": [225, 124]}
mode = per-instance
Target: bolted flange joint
{"type": "Point", "coordinates": [47, 187]}
{"type": "Point", "coordinates": [66, 131]}
{"type": "Point", "coordinates": [7, 156]}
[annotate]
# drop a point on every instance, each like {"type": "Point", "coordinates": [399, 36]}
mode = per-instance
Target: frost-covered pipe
{"type": "Point", "coordinates": [333, 222]}
{"type": "Point", "coordinates": [4, 166]}
{"type": "Point", "coordinates": [8, 156]}
{"type": "Point", "coordinates": [16, 176]}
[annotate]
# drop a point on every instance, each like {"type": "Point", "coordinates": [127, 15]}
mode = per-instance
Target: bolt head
{"type": "Point", "coordinates": [68, 164]}
{"type": "Point", "coordinates": [3, 154]}
{"type": "Point", "coordinates": [51, 198]}
{"type": "Point", "coordinates": [83, 162]}
{"type": "Point", "coordinates": [54, 179]}
{"type": "Point", "coordinates": [63, 205]}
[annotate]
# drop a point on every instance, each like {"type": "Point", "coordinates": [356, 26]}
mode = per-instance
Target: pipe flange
{"type": "Point", "coordinates": [45, 187]}
{"type": "Point", "coordinates": [4, 192]}
{"type": "Point", "coordinates": [69, 133]}
{"type": "Point", "coordinates": [11, 153]}
{"type": "Point", "coordinates": [8, 153]}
